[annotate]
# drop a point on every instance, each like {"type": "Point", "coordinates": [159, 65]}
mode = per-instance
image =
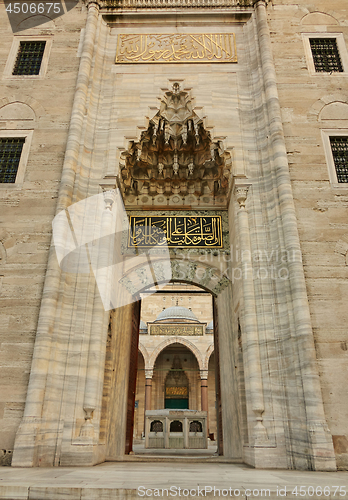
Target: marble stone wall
{"type": "Point", "coordinates": [276, 371]}
{"type": "Point", "coordinates": [26, 209]}
{"type": "Point", "coordinates": [307, 102]}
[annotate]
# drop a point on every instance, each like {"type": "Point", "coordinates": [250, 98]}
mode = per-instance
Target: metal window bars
{"type": "Point", "coordinates": [10, 155]}
{"type": "Point", "coordinates": [339, 147]}
{"type": "Point", "coordinates": [326, 56]}
{"type": "Point", "coordinates": [29, 58]}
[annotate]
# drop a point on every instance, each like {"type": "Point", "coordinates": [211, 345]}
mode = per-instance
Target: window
{"type": "Point", "coordinates": [339, 148]}
{"type": "Point", "coordinates": [29, 58]}
{"type": "Point", "coordinates": [14, 153]}
{"type": "Point", "coordinates": [10, 155]}
{"type": "Point", "coordinates": [325, 55]}
{"type": "Point", "coordinates": [336, 152]}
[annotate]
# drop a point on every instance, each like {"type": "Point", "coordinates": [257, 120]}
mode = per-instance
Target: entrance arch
{"type": "Point", "coordinates": [211, 279]}
{"type": "Point", "coordinates": [176, 340]}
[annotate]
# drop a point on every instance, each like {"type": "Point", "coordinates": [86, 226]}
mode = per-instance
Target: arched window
{"type": "Point", "coordinates": [176, 426]}
{"type": "Point", "coordinates": [156, 426]}
{"type": "Point", "coordinates": [196, 426]}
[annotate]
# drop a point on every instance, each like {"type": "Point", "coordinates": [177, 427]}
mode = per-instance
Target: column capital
{"type": "Point", "coordinates": [148, 373]}
{"type": "Point", "coordinates": [90, 3]}
{"type": "Point", "coordinates": [204, 374]}
{"type": "Point", "coordinates": [241, 192]}
{"type": "Point", "coordinates": [108, 186]}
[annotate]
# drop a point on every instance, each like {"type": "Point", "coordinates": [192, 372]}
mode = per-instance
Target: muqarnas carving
{"type": "Point", "coordinates": [176, 156]}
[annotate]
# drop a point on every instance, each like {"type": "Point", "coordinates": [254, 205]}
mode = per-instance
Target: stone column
{"type": "Point", "coordinates": [148, 393]}
{"type": "Point", "coordinates": [319, 437]}
{"type": "Point", "coordinates": [148, 388]}
{"type": "Point", "coordinates": [251, 338]}
{"type": "Point", "coordinates": [204, 393]}
{"type": "Point", "coordinates": [25, 444]}
{"type": "Point", "coordinates": [185, 428]}
{"type": "Point", "coordinates": [96, 353]}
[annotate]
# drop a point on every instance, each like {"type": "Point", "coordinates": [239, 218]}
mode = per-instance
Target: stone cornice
{"type": "Point", "coordinates": [172, 4]}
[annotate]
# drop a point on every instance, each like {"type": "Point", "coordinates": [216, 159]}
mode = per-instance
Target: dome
{"type": "Point", "coordinates": [210, 326]}
{"type": "Point", "coordinates": [175, 313]}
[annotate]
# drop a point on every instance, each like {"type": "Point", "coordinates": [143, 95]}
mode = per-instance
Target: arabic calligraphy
{"type": "Point", "coordinates": [176, 330]}
{"type": "Point", "coordinates": [176, 391]}
{"type": "Point", "coordinates": [176, 48]}
{"type": "Point", "coordinates": [175, 231]}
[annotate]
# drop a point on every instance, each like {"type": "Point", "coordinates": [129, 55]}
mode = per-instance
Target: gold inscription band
{"type": "Point", "coordinates": [176, 48]}
{"type": "Point", "coordinates": [176, 330]}
{"type": "Point", "coordinates": [175, 231]}
{"type": "Point", "coordinates": [176, 391]}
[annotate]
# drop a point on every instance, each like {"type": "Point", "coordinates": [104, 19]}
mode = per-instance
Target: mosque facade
{"type": "Point", "coordinates": [192, 156]}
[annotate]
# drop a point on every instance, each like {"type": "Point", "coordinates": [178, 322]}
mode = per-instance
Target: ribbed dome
{"type": "Point", "coordinates": [210, 326]}
{"type": "Point", "coordinates": [176, 312]}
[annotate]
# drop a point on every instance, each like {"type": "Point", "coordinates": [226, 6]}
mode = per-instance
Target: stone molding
{"type": "Point", "coordinates": [317, 108]}
{"type": "Point", "coordinates": [174, 3]}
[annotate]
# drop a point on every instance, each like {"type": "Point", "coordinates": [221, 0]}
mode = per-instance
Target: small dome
{"type": "Point", "coordinates": [142, 325]}
{"type": "Point", "coordinates": [176, 312]}
{"type": "Point", "coordinates": [210, 326]}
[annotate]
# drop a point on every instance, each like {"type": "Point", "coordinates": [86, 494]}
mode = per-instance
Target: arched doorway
{"type": "Point", "coordinates": [207, 278]}
{"type": "Point", "coordinates": [176, 380]}
{"type": "Point", "coordinates": [176, 366]}
{"type": "Point", "coordinates": [176, 386]}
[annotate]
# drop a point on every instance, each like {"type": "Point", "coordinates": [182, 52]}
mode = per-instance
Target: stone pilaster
{"type": "Point", "coordinates": [321, 454]}
{"type": "Point", "coordinates": [250, 338]}
{"type": "Point", "coordinates": [25, 449]}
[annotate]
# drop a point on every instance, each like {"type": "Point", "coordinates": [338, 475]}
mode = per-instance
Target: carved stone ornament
{"type": "Point", "coordinates": [175, 158]}
{"type": "Point", "coordinates": [155, 4]}
{"type": "Point", "coordinates": [241, 193]}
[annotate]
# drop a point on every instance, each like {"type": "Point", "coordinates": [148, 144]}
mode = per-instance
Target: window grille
{"type": "Point", "coordinates": [156, 426]}
{"type": "Point", "coordinates": [10, 155]}
{"type": "Point", "coordinates": [29, 58]}
{"type": "Point", "coordinates": [339, 147]}
{"type": "Point", "coordinates": [325, 55]}
{"type": "Point", "coordinates": [196, 426]}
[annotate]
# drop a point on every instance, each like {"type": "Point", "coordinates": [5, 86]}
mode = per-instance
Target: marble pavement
{"type": "Point", "coordinates": [111, 481]}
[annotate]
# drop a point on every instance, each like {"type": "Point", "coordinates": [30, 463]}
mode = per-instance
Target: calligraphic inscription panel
{"type": "Point", "coordinates": [176, 330]}
{"type": "Point", "coordinates": [176, 231]}
{"type": "Point", "coordinates": [176, 391]}
{"type": "Point", "coordinates": [176, 48]}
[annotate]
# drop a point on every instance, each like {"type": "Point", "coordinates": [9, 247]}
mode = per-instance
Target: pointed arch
{"type": "Point", "coordinates": [176, 340]}
{"type": "Point", "coordinates": [208, 353]}
{"type": "Point", "coordinates": [144, 352]}
{"type": "Point", "coordinates": [210, 278]}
